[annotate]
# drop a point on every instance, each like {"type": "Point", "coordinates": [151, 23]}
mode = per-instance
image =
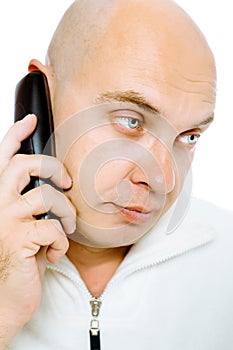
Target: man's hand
{"type": "Point", "coordinates": [26, 243]}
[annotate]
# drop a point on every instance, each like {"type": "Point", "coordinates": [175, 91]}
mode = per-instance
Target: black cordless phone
{"type": "Point", "coordinates": [32, 97]}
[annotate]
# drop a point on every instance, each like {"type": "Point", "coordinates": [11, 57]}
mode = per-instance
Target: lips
{"type": "Point", "coordinates": [134, 214]}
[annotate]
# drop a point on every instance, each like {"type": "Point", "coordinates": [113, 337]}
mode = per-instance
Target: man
{"type": "Point", "coordinates": [132, 87]}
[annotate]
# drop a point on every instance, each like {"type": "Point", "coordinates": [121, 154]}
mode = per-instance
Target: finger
{"type": "Point", "coordinates": [45, 199]}
{"type": "Point", "coordinates": [46, 233]}
{"type": "Point", "coordinates": [16, 134]}
{"type": "Point", "coordinates": [17, 174]}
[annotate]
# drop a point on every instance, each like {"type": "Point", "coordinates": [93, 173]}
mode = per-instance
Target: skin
{"type": "Point", "coordinates": [150, 49]}
{"type": "Point", "coordinates": [178, 79]}
{"type": "Point", "coordinates": [171, 67]}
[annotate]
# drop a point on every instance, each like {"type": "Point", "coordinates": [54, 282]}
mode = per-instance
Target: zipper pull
{"type": "Point", "coordinates": [94, 325]}
{"type": "Point", "coordinates": [95, 307]}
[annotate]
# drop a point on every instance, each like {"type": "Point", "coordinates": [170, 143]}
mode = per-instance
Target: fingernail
{"type": "Point", "coordinates": [68, 181]}
{"type": "Point", "coordinates": [71, 230]}
{"type": "Point", "coordinates": [28, 116]}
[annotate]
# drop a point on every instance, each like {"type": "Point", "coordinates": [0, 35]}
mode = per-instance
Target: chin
{"type": "Point", "coordinates": [99, 237]}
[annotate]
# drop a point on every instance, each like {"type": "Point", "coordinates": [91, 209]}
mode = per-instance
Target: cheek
{"type": "Point", "coordinates": [182, 161]}
{"type": "Point", "coordinates": [92, 166]}
{"type": "Point", "coordinates": [183, 179]}
{"type": "Point", "coordinates": [73, 162]}
{"type": "Point", "coordinates": [111, 180]}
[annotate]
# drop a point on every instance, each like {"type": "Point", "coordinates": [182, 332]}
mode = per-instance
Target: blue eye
{"type": "Point", "coordinates": [190, 140]}
{"type": "Point", "coordinates": [128, 122]}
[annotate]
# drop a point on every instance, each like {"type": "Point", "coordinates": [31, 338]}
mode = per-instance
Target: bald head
{"type": "Point", "coordinates": [112, 30]}
{"type": "Point", "coordinates": [77, 36]}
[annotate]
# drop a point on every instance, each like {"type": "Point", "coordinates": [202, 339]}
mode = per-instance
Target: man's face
{"type": "Point", "coordinates": [152, 102]}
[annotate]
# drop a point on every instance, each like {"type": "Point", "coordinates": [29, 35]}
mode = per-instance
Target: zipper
{"type": "Point", "coordinates": [96, 303]}
{"type": "Point", "coordinates": [94, 324]}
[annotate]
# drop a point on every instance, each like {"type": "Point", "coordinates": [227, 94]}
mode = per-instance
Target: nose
{"type": "Point", "coordinates": [159, 174]}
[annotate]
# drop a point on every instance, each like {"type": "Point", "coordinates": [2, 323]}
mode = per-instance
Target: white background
{"type": "Point", "coordinates": [26, 27]}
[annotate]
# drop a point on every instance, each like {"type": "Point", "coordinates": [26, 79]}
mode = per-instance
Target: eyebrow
{"type": "Point", "coordinates": [134, 97]}
{"type": "Point", "coordinates": [204, 122]}
{"type": "Point", "coordinates": [129, 96]}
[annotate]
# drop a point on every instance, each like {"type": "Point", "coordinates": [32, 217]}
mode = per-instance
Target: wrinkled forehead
{"type": "Point", "coordinates": [152, 47]}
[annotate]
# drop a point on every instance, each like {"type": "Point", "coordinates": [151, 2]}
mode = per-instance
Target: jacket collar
{"type": "Point", "coordinates": [161, 243]}
{"type": "Point", "coordinates": [158, 245]}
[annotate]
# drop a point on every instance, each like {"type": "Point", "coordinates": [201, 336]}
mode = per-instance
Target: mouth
{"type": "Point", "coordinates": [135, 214]}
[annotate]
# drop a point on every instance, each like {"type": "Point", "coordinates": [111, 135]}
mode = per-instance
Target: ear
{"type": "Point", "coordinates": [37, 65]}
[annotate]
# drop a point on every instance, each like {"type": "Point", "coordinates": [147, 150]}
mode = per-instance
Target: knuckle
{"type": "Point", "coordinates": [46, 189]}
{"type": "Point", "coordinates": [51, 225]}
{"type": "Point", "coordinates": [58, 166]}
{"type": "Point", "coordinates": [26, 201]}
{"type": "Point", "coordinates": [38, 229]}
{"type": "Point", "coordinates": [46, 192]}
{"type": "Point", "coordinates": [36, 226]}
{"type": "Point", "coordinates": [18, 158]}
{"type": "Point", "coordinates": [56, 226]}
{"type": "Point", "coordinates": [49, 166]}
{"type": "Point", "coordinates": [21, 162]}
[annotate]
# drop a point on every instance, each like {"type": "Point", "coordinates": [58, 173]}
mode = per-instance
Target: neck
{"type": "Point", "coordinates": [96, 266]}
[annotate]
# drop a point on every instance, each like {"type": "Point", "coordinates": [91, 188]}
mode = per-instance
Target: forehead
{"type": "Point", "coordinates": [159, 30]}
{"type": "Point", "coordinates": [156, 51]}
{"type": "Point", "coordinates": [183, 96]}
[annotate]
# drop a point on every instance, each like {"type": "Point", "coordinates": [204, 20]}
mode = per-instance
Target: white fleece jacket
{"type": "Point", "coordinates": [172, 292]}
